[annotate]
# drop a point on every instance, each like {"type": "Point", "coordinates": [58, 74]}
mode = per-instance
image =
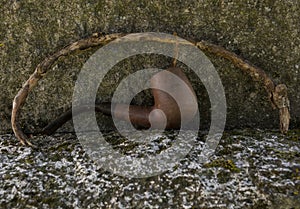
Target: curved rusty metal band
{"type": "Point", "coordinates": [40, 71]}
{"type": "Point", "coordinates": [277, 94]}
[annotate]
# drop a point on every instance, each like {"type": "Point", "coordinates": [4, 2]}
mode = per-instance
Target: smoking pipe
{"type": "Point", "coordinates": [164, 114]}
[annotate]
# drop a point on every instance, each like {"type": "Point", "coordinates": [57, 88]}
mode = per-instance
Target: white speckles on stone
{"type": "Point", "coordinates": [69, 178]}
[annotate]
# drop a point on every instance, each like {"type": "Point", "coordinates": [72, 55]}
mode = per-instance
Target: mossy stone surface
{"type": "Point", "coordinates": [264, 32]}
{"type": "Point", "coordinates": [249, 169]}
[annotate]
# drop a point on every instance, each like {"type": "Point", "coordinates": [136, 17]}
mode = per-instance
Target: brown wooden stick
{"type": "Point", "coordinates": [277, 94]}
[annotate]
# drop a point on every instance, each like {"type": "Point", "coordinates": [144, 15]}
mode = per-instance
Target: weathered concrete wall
{"type": "Point", "coordinates": [267, 33]}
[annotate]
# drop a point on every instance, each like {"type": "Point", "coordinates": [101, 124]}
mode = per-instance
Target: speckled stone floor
{"type": "Point", "coordinates": [250, 169]}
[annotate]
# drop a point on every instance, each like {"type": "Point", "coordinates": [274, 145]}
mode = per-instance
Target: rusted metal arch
{"type": "Point", "coordinates": [277, 93]}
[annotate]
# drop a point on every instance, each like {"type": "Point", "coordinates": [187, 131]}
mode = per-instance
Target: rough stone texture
{"type": "Point", "coordinates": [266, 33]}
{"type": "Point", "coordinates": [250, 169]}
